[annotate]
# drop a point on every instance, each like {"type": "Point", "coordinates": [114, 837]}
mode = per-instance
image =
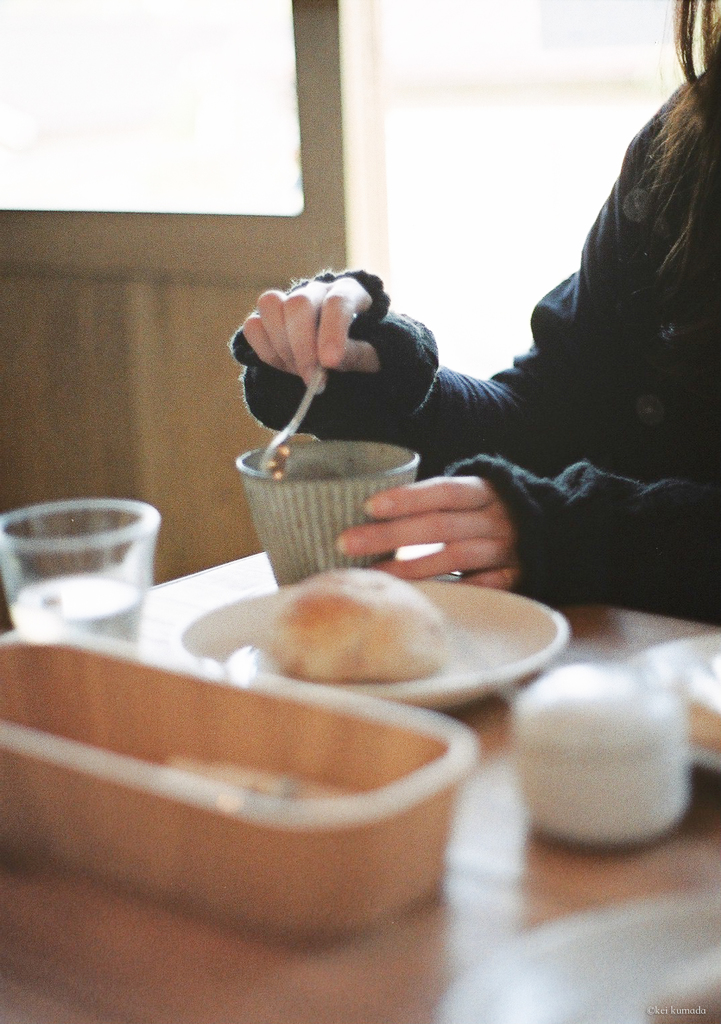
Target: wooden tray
{"type": "Point", "coordinates": [306, 814]}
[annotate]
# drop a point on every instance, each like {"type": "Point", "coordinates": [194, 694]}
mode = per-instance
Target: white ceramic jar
{"type": "Point", "coordinates": [602, 755]}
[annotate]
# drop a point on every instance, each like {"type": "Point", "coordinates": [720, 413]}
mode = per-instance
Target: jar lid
{"type": "Point", "coordinates": [599, 706]}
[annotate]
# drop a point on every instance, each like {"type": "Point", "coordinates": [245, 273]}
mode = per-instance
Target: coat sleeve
{"type": "Point", "coordinates": [586, 536]}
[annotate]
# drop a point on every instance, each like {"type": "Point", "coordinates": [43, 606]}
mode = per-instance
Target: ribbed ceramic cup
{"type": "Point", "coordinates": [325, 485]}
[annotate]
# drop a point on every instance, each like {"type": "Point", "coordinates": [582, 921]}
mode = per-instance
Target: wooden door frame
{"type": "Point", "coordinates": [203, 248]}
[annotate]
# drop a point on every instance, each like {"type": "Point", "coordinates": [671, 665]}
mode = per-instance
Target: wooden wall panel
{"type": "Point", "coordinates": [191, 420]}
{"type": "Point", "coordinates": [64, 390]}
{"type": "Point", "coordinates": [128, 389]}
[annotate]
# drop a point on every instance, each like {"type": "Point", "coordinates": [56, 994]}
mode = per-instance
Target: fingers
{"type": "Point", "coordinates": [440, 510]}
{"type": "Point", "coordinates": [309, 326]}
{"type": "Point", "coordinates": [428, 528]}
{"type": "Point", "coordinates": [361, 357]}
{"type": "Point", "coordinates": [435, 495]}
{"type": "Point", "coordinates": [257, 337]}
{"type": "Point", "coordinates": [344, 300]}
{"type": "Point", "coordinates": [463, 514]}
{"type": "Point", "coordinates": [272, 320]}
{"type": "Point", "coordinates": [485, 562]}
{"type": "Point", "coordinates": [507, 578]}
{"type": "Point", "coordinates": [301, 313]}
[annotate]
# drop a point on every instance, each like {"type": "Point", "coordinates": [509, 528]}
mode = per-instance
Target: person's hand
{"type": "Point", "coordinates": [464, 514]}
{"type": "Point", "coordinates": [309, 327]}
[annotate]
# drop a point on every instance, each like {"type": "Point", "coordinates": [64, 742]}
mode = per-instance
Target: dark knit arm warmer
{"type": "Point", "coordinates": [587, 536]}
{"type": "Point", "coordinates": [368, 405]}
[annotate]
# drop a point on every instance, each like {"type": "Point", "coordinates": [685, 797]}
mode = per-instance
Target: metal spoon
{"type": "Point", "coordinates": [275, 456]}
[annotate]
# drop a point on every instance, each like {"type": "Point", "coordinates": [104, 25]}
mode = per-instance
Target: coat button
{"type": "Point", "coordinates": [650, 410]}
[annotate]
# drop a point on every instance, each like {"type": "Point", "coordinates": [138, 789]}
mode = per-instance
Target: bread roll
{"type": "Point", "coordinates": [705, 714]}
{"type": "Point", "coordinates": [358, 625]}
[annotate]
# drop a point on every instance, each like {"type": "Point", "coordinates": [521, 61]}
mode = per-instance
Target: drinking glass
{"type": "Point", "coordinates": [78, 568]}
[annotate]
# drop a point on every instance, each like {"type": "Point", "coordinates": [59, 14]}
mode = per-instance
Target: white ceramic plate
{"type": "Point", "coordinates": [497, 639]}
{"type": "Point", "coordinates": [695, 661]}
{"type": "Point", "coordinates": [604, 967]}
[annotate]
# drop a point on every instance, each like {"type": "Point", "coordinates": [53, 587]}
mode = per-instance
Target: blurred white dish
{"type": "Point", "coordinates": [695, 664]}
{"type": "Point", "coordinates": [602, 967]}
{"type": "Point", "coordinates": [498, 639]}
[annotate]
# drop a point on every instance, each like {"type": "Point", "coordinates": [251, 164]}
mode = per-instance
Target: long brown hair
{"type": "Point", "coordinates": [686, 171]}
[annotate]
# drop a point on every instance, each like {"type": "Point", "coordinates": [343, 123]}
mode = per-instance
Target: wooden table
{"type": "Point", "coordinates": [74, 952]}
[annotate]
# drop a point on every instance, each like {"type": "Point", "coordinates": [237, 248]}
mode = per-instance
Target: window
{"type": "Point", "coordinates": [183, 106]}
{"type": "Point", "coordinates": [505, 129]}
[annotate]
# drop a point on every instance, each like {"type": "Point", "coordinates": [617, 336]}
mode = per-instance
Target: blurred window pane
{"type": "Point", "coordinates": [182, 106]}
{"type": "Point", "coordinates": [506, 126]}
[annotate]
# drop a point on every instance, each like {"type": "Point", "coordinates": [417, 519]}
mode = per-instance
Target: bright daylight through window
{"type": "Point", "coordinates": [506, 127]}
{"type": "Point", "coordinates": [184, 106]}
